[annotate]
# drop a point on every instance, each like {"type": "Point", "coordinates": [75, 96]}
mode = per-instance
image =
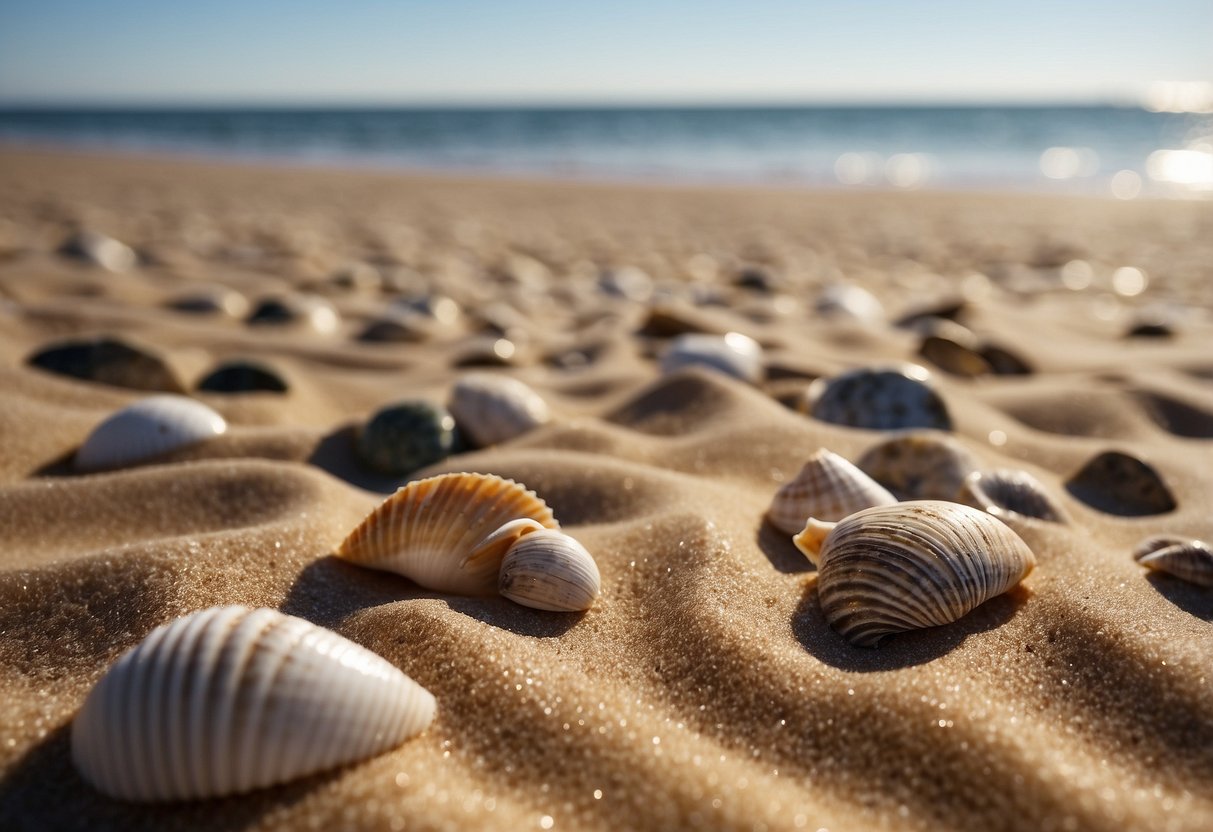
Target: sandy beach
{"type": "Point", "coordinates": [704, 689]}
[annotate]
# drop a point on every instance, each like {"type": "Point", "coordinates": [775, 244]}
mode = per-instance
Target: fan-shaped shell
{"type": "Point", "coordinates": [828, 487]}
{"type": "Point", "coordinates": [549, 570]}
{"type": "Point", "coordinates": [878, 399]}
{"type": "Point", "coordinates": [448, 533]}
{"type": "Point", "coordinates": [491, 408]}
{"type": "Point", "coordinates": [232, 699]}
{"type": "Point", "coordinates": [1183, 557]}
{"type": "Point", "coordinates": [1007, 491]}
{"type": "Point", "coordinates": [893, 568]}
{"type": "Point", "coordinates": [146, 429]}
{"type": "Point", "coordinates": [733, 354]}
{"type": "Point", "coordinates": [919, 465]}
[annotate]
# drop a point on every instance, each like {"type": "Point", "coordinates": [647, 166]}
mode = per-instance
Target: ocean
{"type": "Point", "coordinates": [1103, 150]}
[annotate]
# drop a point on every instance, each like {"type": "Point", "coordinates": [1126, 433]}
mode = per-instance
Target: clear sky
{"type": "Point", "coordinates": [547, 51]}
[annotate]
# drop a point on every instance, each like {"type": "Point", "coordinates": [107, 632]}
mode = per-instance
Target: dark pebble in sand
{"type": "Point", "coordinates": [274, 311]}
{"type": "Point", "coordinates": [1004, 362]}
{"type": "Point", "coordinates": [395, 329]}
{"type": "Point", "coordinates": [243, 377]}
{"type": "Point", "coordinates": [108, 360]}
{"type": "Point", "coordinates": [879, 399]}
{"type": "Point", "coordinates": [406, 436]}
{"type": "Point", "coordinates": [1117, 483]}
{"type": "Point", "coordinates": [756, 279]}
{"type": "Point", "coordinates": [1151, 329]}
{"type": "Point", "coordinates": [953, 357]}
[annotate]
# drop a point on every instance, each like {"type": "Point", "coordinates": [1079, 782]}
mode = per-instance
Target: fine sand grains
{"type": "Point", "coordinates": [704, 688]}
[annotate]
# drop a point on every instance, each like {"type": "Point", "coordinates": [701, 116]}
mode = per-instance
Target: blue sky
{"type": "Point", "coordinates": [541, 51]}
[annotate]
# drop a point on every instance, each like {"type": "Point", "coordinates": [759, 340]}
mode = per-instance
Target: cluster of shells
{"type": "Point", "coordinates": [209, 705]}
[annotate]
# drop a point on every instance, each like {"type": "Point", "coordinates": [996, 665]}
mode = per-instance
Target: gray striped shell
{"type": "Point", "coordinates": [231, 699]}
{"type": "Point", "coordinates": [920, 564]}
{"type": "Point", "coordinates": [147, 429]}
{"type": "Point", "coordinates": [1185, 558]}
{"type": "Point", "coordinates": [828, 487]}
{"type": "Point", "coordinates": [491, 408]}
{"type": "Point", "coordinates": [1006, 492]}
{"type": "Point", "coordinates": [448, 533]}
{"type": "Point", "coordinates": [549, 570]}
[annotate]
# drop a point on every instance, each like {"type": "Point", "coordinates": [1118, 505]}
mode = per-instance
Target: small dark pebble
{"type": "Point", "coordinates": [406, 436]}
{"type": "Point", "coordinates": [108, 360]}
{"type": "Point", "coordinates": [243, 377]}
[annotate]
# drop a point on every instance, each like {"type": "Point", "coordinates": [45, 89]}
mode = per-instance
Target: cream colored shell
{"type": "Point", "coordinates": [231, 699]}
{"type": "Point", "coordinates": [146, 429]}
{"type": "Point", "coordinates": [828, 487]}
{"type": "Point", "coordinates": [920, 564]}
{"type": "Point", "coordinates": [448, 533]}
{"type": "Point", "coordinates": [491, 409]}
{"type": "Point", "coordinates": [549, 570]}
{"type": "Point", "coordinates": [1183, 557]}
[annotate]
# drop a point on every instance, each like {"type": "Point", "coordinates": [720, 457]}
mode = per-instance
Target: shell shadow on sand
{"type": "Point", "coordinates": [781, 551]}
{"type": "Point", "coordinates": [902, 649]}
{"type": "Point", "coordinates": [1192, 599]}
{"type": "Point", "coordinates": [336, 454]}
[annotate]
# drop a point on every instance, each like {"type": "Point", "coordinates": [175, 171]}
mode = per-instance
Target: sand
{"type": "Point", "coordinates": [704, 689]}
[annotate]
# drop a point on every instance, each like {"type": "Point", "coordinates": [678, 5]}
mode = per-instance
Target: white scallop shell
{"type": "Point", "coordinates": [1185, 558]}
{"type": "Point", "coordinates": [448, 533]}
{"type": "Point", "coordinates": [148, 428]}
{"type": "Point", "coordinates": [492, 408]}
{"type": "Point", "coordinates": [1006, 492]}
{"type": "Point", "coordinates": [733, 354]}
{"type": "Point", "coordinates": [231, 699]}
{"type": "Point", "coordinates": [920, 564]}
{"type": "Point", "coordinates": [549, 570]}
{"type": "Point", "coordinates": [828, 487]}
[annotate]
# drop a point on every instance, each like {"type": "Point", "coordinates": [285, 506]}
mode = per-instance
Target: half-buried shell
{"type": "Point", "coordinates": [231, 699]}
{"type": "Point", "coordinates": [1007, 492]}
{"type": "Point", "coordinates": [491, 408]}
{"type": "Point", "coordinates": [549, 570]}
{"type": "Point", "coordinates": [448, 533]}
{"type": "Point", "coordinates": [879, 398]}
{"type": "Point", "coordinates": [147, 429]}
{"type": "Point", "coordinates": [828, 487]}
{"type": "Point", "coordinates": [889, 569]}
{"type": "Point", "coordinates": [1185, 558]}
{"type": "Point", "coordinates": [919, 465]}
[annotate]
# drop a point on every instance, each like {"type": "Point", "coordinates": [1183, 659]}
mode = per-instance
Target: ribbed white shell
{"type": "Point", "coordinates": [491, 409]}
{"type": "Point", "coordinates": [1183, 557]}
{"type": "Point", "coordinates": [828, 487]}
{"type": "Point", "coordinates": [148, 428]}
{"type": "Point", "coordinates": [448, 533]}
{"type": "Point", "coordinates": [920, 564]}
{"type": "Point", "coordinates": [549, 570]}
{"type": "Point", "coordinates": [733, 354]}
{"type": "Point", "coordinates": [231, 699]}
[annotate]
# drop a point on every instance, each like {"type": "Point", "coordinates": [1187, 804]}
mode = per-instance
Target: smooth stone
{"type": "Point", "coordinates": [733, 354]}
{"type": "Point", "coordinates": [108, 360]}
{"type": "Point", "coordinates": [397, 327]}
{"type": "Point", "coordinates": [1117, 483]}
{"type": "Point", "coordinates": [211, 301]}
{"type": "Point", "coordinates": [879, 399]}
{"type": "Point", "coordinates": [756, 279]}
{"type": "Point", "coordinates": [406, 436]}
{"type": "Point", "coordinates": [100, 250]}
{"type": "Point", "coordinates": [314, 312]}
{"type": "Point", "coordinates": [627, 282]}
{"type": "Point", "coordinates": [243, 377]}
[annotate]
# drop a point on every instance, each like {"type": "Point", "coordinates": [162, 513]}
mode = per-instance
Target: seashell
{"type": "Point", "coordinates": [146, 429]}
{"type": "Point", "coordinates": [357, 277]}
{"type": "Point", "coordinates": [1009, 492]}
{"type": "Point", "coordinates": [847, 301]}
{"type": "Point", "coordinates": [243, 377]}
{"type": "Point", "coordinates": [919, 465]}
{"type": "Point", "coordinates": [487, 352]}
{"type": "Point", "coordinates": [627, 282]}
{"type": "Point", "coordinates": [398, 326]}
{"type": "Point", "coordinates": [231, 699]}
{"type": "Point", "coordinates": [211, 300]}
{"type": "Point", "coordinates": [439, 309]}
{"type": "Point", "coordinates": [828, 487]}
{"type": "Point", "coordinates": [889, 569]}
{"type": "Point", "coordinates": [316, 313]}
{"type": "Point", "coordinates": [1004, 362]}
{"type": "Point", "coordinates": [878, 399]}
{"type": "Point", "coordinates": [1185, 558]}
{"type": "Point", "coordinates": [549, 570]}
{"type": "Point", "coordinates": [108, 360]}
{"type": "Point", "coordinates": [490, 409]}
{"type": "Point", "coordinates": [954, 357]}
{"type": "Point", "coordinates": [1117, 483]}
{"type": "Point", "coordinates": [406, 436]}
{"type": "Point", "coordinates": [98, 249]}
{"type": "Point", "coordinates": [733, 354]}
{"type": "Point", "coordinates": [448, 533]}
{"type": "Point", "coordinates": [757, 279]}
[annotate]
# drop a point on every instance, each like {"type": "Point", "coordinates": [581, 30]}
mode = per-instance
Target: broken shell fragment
{"type": "Point", "coordinates": [920, 564]}
{"type": "Point", "coordinates": [828, 487]}
{"type": "Point", "coordinates": [1185, 558]}
{"type": "Point", "coordinates": [231, 699]}
{"type": "Point", "coordinates": [147, 429]}
{"type": "Point", "coordinates": [491, 409]}
{"type": "Point", "coordinates": [448, 533]}
{"type": "Point", "coordinates": [549, 570]}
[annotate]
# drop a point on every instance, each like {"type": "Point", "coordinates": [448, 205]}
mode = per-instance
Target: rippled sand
{"type": "Point", "coordinates": [704, 689]}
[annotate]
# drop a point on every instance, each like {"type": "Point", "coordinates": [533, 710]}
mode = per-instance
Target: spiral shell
{"type": "Point", "coordinates": [828, 487]}
{"type": "Point", "coordinates": [1185, 558]}
{"type": "Point", "coordinates": [888, 569]}
{"type": "Point", "coordinates": [733, 354]}
{"type": "Point", "coordinates": [490, 408]}
{"type": "Point", "coordinates": [231, 699]}
{"type": "Point", "coordinates": [549, 570]}
{"type": "Point", "coordinates": [919, 465]}
{"type": "Point", "coordinates": [1005, 491]}
{"type": "Point", "coordinates": [448, 533]}
{"type": "Point", "coordinates": [147, 429]}
{"type": "Point", "coordinates": [878, 399]}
